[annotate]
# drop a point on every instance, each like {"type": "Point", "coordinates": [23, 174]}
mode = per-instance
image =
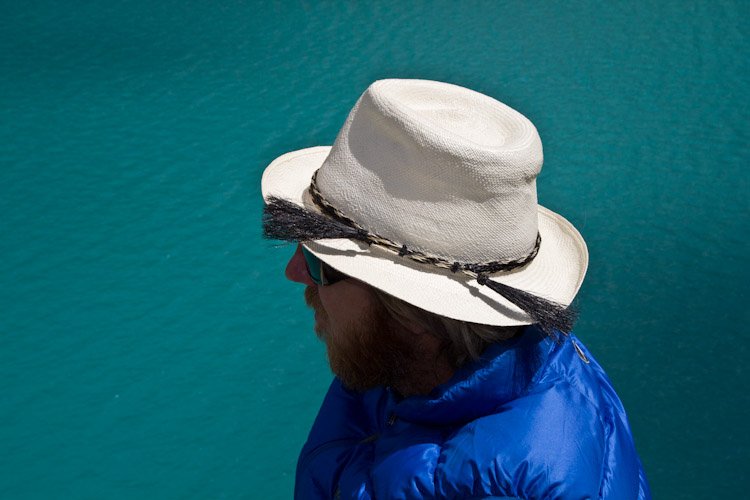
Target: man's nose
{"type": "Point", "coordinates": [296, 269]}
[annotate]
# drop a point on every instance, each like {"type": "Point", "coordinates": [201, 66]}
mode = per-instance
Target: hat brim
{"type": "Point", "coordinates": [556, 273]}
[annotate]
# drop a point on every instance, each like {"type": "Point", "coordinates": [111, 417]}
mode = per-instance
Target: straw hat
{"type": "Point", "coordinates": [448, 176]}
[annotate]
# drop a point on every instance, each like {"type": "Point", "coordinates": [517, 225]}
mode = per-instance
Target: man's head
{"type": "Point", "coordinates": [428, 195]}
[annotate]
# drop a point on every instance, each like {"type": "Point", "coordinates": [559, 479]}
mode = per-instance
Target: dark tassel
{"type": "Point", "coordinates": [528, 359]}
{"type": "Point", "coordinates": [285, 220]}
{"type": "Point", "coordinates": [553, 318]}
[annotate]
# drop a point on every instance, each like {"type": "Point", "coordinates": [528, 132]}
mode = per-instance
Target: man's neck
{"type": "Point", "coordinates": [430, 370]}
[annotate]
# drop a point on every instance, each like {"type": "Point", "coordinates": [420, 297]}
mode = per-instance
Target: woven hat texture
{"type": "Point", "coordinates": [448, 172]}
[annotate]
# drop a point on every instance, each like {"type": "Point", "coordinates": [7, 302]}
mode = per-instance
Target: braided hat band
{"type": "Point", "coordinates": [470, 269]}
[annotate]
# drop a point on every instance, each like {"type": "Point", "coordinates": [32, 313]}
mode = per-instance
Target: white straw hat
{"type": "Point", "coordinates": [447, 173]}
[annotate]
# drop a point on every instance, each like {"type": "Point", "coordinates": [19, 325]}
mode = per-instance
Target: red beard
{"type": "Point", "coordinates": [373, 351]}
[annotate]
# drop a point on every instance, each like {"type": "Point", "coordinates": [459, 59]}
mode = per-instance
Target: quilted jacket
{"type": "Point", "coordinates": [531, 419]}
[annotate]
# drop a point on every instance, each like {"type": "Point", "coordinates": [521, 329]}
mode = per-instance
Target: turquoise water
{"type": "Point", "coordinates": [150, 346]}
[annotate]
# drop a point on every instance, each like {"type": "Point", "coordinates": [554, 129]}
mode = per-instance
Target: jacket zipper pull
{"type": "Point", "coordinates": [580, 352]}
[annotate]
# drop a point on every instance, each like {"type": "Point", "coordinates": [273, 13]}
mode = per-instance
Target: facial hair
{"type": "Point", "coordinates": [371, 351]}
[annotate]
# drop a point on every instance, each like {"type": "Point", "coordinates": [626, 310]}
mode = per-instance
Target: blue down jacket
{"type": "Point", "coordinates": [531, 419]}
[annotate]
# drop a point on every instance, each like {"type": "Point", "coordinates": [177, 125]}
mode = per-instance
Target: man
{"type": "Point", "coordinates": [440, 289]}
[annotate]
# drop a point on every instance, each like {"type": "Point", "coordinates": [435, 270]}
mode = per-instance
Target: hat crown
{"type": "Point", "coordinates": [439, 168]}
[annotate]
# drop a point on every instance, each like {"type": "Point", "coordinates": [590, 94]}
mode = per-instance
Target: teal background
{"type": "Point", "coordinates": [149, 345]}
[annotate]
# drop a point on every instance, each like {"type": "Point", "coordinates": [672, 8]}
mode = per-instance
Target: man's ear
{"type": "Point", "coordinates": [413, 329]}
{"type": "Point", "coordinates": [420, 334]}
{"type": "Point", "coordinates": [425, 338]}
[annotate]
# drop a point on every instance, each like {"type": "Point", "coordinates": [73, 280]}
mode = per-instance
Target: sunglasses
{"type": "Point", "coordinates": [320, 272]}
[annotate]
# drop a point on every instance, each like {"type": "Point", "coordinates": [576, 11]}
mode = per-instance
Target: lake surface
{"type": "Point", "coordinates": [150, 347]}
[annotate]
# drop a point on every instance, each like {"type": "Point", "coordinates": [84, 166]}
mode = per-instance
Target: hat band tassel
{"type": "Point", "coordinates": [553, 319]}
